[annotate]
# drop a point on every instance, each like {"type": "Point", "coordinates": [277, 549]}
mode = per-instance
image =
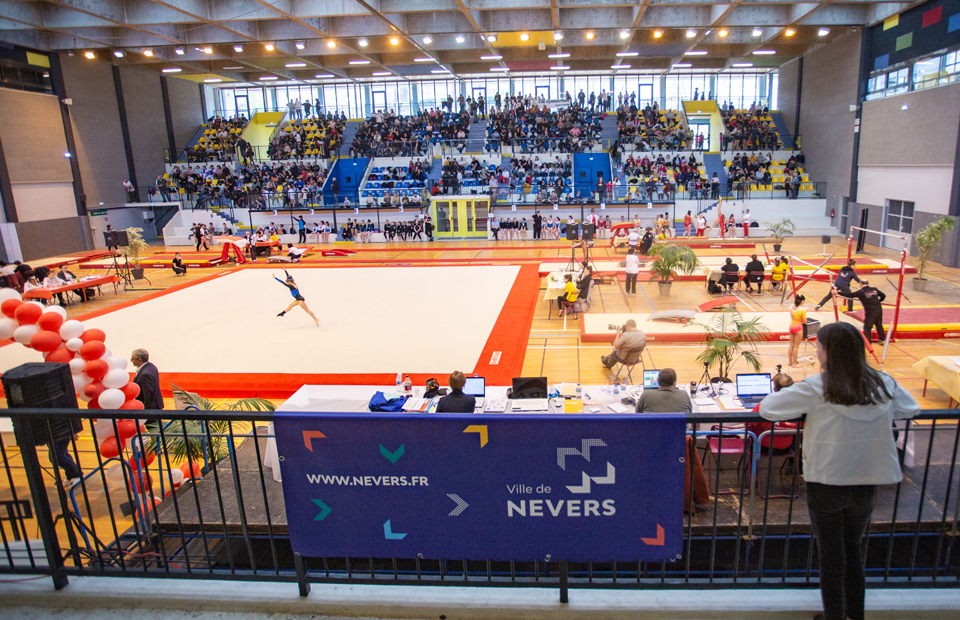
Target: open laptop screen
{"type": "Point", "coordinates": [529, 387]}
{"type": "Point", "coordinates": [651, 379]}
{"type": "Point", "coordinates": [475, 386]}
{"type": "Point", "coordinates": [753, 385]}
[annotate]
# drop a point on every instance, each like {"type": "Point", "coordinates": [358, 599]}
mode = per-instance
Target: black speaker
{"type": "Point", "coordinates": [573, 234]}
{"type": "Point", "coordinates": [116, 238]}
{"type": "Point", "coordinates": [589, 232]}
{"type": "Point", "coordinates": [43, 386]}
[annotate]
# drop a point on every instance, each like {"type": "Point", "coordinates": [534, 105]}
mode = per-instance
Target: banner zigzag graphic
{"type": "Point", "coordinates": [584, 451]}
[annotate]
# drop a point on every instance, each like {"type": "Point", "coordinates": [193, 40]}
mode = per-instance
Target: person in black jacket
{"type": "Point", "coordinates": [728, 279]}
{"type": "Point", "coordinates": [148, 378]}
{"type": "Point", "coordinates": [842, 283]}
{"type": "Point", "coordinates": [428, 228]}
{"type": "Point", "coordinates": [456, 401]}
{"type": "Point", "coordinates": [647, 242]}
{"type": "Point", "coordinates": [752, 276]}
{"type": "Point", "coordinates": [872, 300]}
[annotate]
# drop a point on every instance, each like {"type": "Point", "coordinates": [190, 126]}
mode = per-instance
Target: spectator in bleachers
{"type": "Point", "coordinates": [325, 136]}
{"type": "Point", "coordinates": [220, 144]}
{"type": "Point", "coordinates": [532, 128]}
{"type": "Point", "coordinates": [223, 186]}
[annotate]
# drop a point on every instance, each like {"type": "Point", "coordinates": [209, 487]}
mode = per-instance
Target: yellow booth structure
{"type": "Point", "coordinates": [460, 216]}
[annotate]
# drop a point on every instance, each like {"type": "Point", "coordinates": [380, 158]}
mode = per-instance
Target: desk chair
{"type": "Point", "coordinates": [633, 358]}
{"type": "Point", "coordinates": [789, 453]}
{"type": "Point", "coordinates": [727, 441]}
{"type": "Point", "coordinates": [756, 277]}
{"type": "Point", "coordinates": [730, 280]}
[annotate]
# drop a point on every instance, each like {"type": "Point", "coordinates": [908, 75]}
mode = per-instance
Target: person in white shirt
{"type": "Point", "coordinates": [701, 225]}
{"type": "Point", "coordinates": [633, 240]}
{"type": "Point", "coordinates": [294, 252]}
{"type": "Point", "coordinates": [848, 449]}
{"type": "Point", "coordinates": [745, 217]}
{"type": "Point", "coordinates": [632, 270]}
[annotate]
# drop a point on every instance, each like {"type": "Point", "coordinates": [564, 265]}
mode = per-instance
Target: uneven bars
{"type": "Point", "coordinates": [896, 310]}
{"type": "Point", "coordinates": [906, 240]}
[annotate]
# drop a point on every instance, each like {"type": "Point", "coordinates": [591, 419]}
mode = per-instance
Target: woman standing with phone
{"type": "Point", "coordinates": [848, 449]}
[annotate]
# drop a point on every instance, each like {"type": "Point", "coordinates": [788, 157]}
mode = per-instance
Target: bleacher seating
{"type": "Point", "coordinates": [386, 134]}
{"type": "Point", "coordinates": [307, 138]}
{"type": "Point", "coordinates": [217, 141]}
{"type": "Point", "coordinates": [530, 128]}
{"type": "Point", "coordinates": [651, 128]}
{"type": "Point", "coordinates": [749, 129]}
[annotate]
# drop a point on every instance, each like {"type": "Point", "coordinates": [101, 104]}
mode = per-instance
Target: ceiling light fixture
{"type": "Point", "coordinates": [627, 54]}
{"type": "Point", "coordinates": [657, 34]}
{"type": "Point", "coordinates": [238, 48]}
{"type": "Point", "coordinates": [757, 32]}
{"type": "Point", "coordinates": [180, 51]}
{"type": "Point", "coordinates": [359, 62]}
{"type": "Point", "coordinates": [560, 68]}
{"type": "Point", "coordinates": [208, 50]}
{"type": "Point", "coordinates": [394, 41]}
{"type": "Point", "coordinates": [619, 66]}
{"type": "Point", "coordinates": [558, 36]}
{"type": "Point", "coordinates": [790, 32]}
{"type": "Point", "coordinates": [524, 36]}
{"type": "Point", "coordinates": [743, 64]}
{"type": "Point", "coordinates": [492, 38]}
{"type": "Point", "coordinates": [231, 68]}
{"type": "Point", "coordinates": [460, 38]}
{"type": "Point", "coordinates": [323, 76]}
{"type": "Point", "coordinates": [212, 80]}
{"type": "Point", "coordinates": [331, 44]}
{"type": "Point", "coordinates": [624, 34]}
{"type": "Point", "coordinates": [499, 68]}
{"type": "Point", "coordinates": [381, 73]}
{"type": "Point", "coordinates": [691, 34]}
{"type": "Point", "coordinates": [300, 45]}
{"type": "Point", "coordinates": [424, 59]}
{"type": "Point", "coordinates": [564, 55]}
{"type": "Point", "coordinates": [295, 64]}
{"type": "Point", "coordinates": [268, 77]}
{"type": "Point", "coordinates": [590, 36]}
{"type": "Point", "coordinates": [823, 32]}
{"type": "Point", "coordinates": [362, 42]}
{"type": "Point", "coordinates": [492, 57]}
{"type": "Point", "coordinates": [90, 55]}
{"type": "Point", "coordinates": [764, 52]}
{"type": "Point", "coordinates": [427, 40]}
{"type": "Point", "coordinates": [681, 65]}
{"type": "Point", "coordinates": [168, 70]}
{"type": "Point", "coordinates": [118, 53]}
{"type": "Point", "coordinates": [148, 53]}
{"type": "Point", "coordinates": [440, 71]}
{"type": "Point", "coordinates": [695, 53]}
{"type": "Point", "coordinates": [723, 32]}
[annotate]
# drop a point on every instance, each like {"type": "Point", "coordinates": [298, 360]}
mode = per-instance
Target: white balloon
{"type": "Point", "coordinates": [83, 396]}
{"type": "Point", "coordinates": [115, 473]}
{"type": "Point", "coordinates": [80, 381]}
{"type": "Point", "coordinates": [58, 309]}
{"type": "Point", "coordinates": [9, 293]}
{"type": "Point", "coordinates": [71, 329]}
{"type": "Point", "coordinates": [117, 361]}
{"type": "Point", "coordinates": [74, 344]}
{"type": "Point", "coordinates": [107, 354]}
{"type": "Point", "coordinates": [116, 378]}
{"type": "Point", "coordinates": [24, 333]}
{"type": "Point", "coordinates": [111, 399]}
{"type": "Point", "coordinates": [176, 475]}
{"type": "Point", "coordinates": [77, 364]}
{"type": "Point", "coordinates": [7, 326]}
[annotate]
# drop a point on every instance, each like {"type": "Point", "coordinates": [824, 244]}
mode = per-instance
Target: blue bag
{"type": "Point", "coordinates": [379, 402]}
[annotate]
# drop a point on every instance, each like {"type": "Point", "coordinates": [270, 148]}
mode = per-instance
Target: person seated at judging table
{"type": "Point", "coordinates": [456, 401]}
{"type": "Point", "coordinates": [754, 274]}
{"type": "Point", "coordinates": [667, 398]}
{"type": "Point", "coordinates": [569, 293]}
{"type": "Point", "coordinates": [778, 272]}
{"type": "Point", "coordinates": [731, 272]}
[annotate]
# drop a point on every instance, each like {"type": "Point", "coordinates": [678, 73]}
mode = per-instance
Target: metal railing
{"type": "Point", "coordinates": [154, 508]}
{"type": "Point", "coordinates": [655, 193]}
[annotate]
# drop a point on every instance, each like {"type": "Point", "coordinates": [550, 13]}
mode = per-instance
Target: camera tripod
{"type": "Point", "coordinates": [705, 378]}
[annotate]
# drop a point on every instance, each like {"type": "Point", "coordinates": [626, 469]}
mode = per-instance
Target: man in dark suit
{"type": "Point", "coordinates": [456, 401]}
{"type": "Point", "coordinates": [148, 378]}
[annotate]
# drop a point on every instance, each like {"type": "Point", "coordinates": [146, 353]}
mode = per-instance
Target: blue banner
{"type": "Point", "coordinates": [524, 487]}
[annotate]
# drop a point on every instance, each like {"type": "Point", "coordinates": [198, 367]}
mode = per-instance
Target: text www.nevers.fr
{"type": "Point", "coordinates": [369, 481]}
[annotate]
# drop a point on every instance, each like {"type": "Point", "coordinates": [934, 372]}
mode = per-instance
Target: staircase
{"type": "Point", "coordinates": [781, 126]}
{"type": "Point", "coordinates": [608, 130]}
{"type": "Point", "coordinates": [349, 133]}
{"type": "Point", "coordinates": [180, 156]}
{"type": "Point", "coordinates": [714, 163]}
{"type": "Point", "coordinates": [476, 137]}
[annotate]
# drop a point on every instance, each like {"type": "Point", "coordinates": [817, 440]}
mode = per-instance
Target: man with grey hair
{"type": "Point", "coordinates": [148, 378]}
{"type": "Point", "coordinates": [628, 346]}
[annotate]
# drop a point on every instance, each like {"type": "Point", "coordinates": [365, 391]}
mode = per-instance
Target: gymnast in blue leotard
{"type": "Point", "coordinates": [298, 299]}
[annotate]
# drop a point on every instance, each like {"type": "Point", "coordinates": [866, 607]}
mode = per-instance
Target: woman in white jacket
{"type": "Point", "coordinates": [848, 449]}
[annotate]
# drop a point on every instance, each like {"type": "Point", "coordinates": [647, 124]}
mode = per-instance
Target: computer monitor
{"type": "Point", "coordinates": [754, 384]}
{"type": "Point", "coordinates": [651, 379]}
{"type": "Point", "coordinates": [475, 386]}
{"type": "Point", "coordinates": [529, 387]}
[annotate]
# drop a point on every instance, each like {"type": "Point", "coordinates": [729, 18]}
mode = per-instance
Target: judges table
{"type": "Point", "coordinates": [943, 372]}
{"type": "Point", "coordinates": [356, 398]}
{"type": "Point", "coordinates": [94, 282]}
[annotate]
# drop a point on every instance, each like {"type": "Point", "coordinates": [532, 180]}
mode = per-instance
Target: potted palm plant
{"type": "Point", "coordinates": [927, 240]}
{"type": "Point", "coordinates": [671, 260]}
{"type": "Point", "coordinates": [136, 246]}
{"type": "Point", "coordinates": [728, 338]}
{"type": "Point", "coordinates": [199, 444]}
{"type": "Point", "coordinates": [783, 228]}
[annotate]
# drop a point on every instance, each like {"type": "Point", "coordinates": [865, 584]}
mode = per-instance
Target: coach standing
{"type": "Point", "coordinates": [872, 300]}
{"type": "Point", "coordinates": [537, 225]}
{"type": "Point", "coordinates": [148, 378]}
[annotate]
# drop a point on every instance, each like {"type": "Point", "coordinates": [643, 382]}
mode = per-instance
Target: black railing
{"type": "Point", "coordinates": [655, 192]}
{"type": "Point", "coordinates": [226, 520]}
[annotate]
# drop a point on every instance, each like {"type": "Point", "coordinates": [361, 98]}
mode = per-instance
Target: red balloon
{"type": "Point", "coordinates": [27, 314]}
{"type": "Point", "coordinates": [9, 307]}
{"type": "Point", "coordinates": [93, 350]}
{"type": "Point", "coordinates": [93, 334]}
{"type": "Point", "coordinates": [51, 321]}
{"type": "Point", "coordinates": [96, 369]}
{"type": "Point", "coordinates": [45, 341]}
{"type": "Point", "coordinates": [109, 448]}
{"type": "Point", "coordinates": [93, 390]}
{"type": "Point", "coordinates": [185, 468]}
{"type": "Point", "coordinates": [62, 354]}
{"type": "Point", "coordinates": [94, 404]}
{"type": "Point", "coordinates": [131, 390]}
{"type": "Point", "coordinates": [132, 404]}
{"type": "Point", "coordinates": [126, 429]}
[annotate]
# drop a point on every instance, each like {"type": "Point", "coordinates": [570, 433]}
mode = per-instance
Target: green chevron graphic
{"type": "Point", "coordinates": [393, 457]}
{"type": "Point", "coordinates": [324, 510]}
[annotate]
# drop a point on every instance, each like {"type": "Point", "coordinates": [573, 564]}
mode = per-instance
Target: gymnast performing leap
{"type": "Point", "coordinates": [298, 299]}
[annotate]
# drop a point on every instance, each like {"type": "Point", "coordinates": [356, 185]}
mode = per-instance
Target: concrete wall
{"type": "Point", "coordinates": [829, 88]}
{"type": "Point", "coordinates": [928, 187]}
{"type": "Point", "coordinates": [186, 109]}
{"type": "Point", "coordinates": [787, 93]}
{"type": "Point", "coordinates": [145, 118]}
{"type": "Point", "coordinates": [35, 237]}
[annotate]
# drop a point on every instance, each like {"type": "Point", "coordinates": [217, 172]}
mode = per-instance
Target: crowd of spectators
{"type": "Point", "coordinates": [387, 134]}
{"type": "Point", "coordinates": [320, 137]}
{"type": "Point", "coordinates": [219, 140]}
{"type": "Point", "coordinates": [748, 129]}
{"type": "Point", "coordinates": [257, 186]}
{"type": "Point", "coordinates": [745, 172]}
{"type": "Point", "coordinates": [649, 179]}
{"type": "Point", "coordinates": [651, 129]}
{"type": "Point", "coordinates": [530, 127]}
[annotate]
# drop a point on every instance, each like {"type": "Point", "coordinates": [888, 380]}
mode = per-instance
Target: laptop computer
{"type": "Point", "coordinates": [529, 394]}
{"type": "Point", "coordinates": [651, 379]}
{"type": "Point", "coordinates": [751, 388]}
{"type": "Point", "coordinates": [476, 387]}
